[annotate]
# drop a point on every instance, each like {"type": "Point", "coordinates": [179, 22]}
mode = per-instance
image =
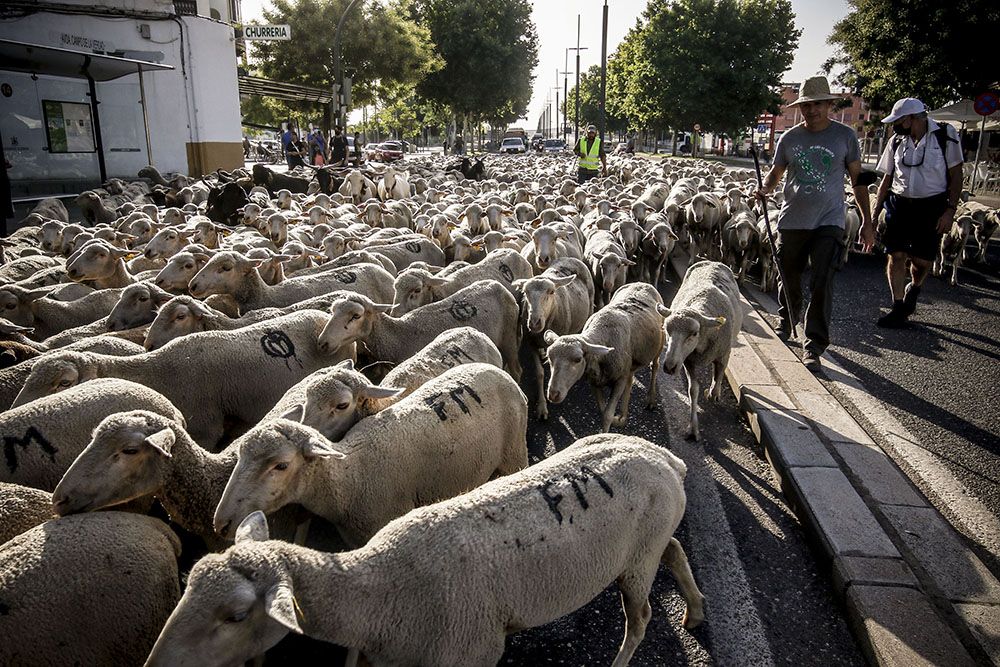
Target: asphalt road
{"type": "Point", "coordinates": [938, 378]}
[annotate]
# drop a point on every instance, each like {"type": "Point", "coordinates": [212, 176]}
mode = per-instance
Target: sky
{"type": "Point", "coordinates": [555, 21]}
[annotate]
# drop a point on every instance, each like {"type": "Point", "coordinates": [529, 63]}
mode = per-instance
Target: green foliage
{"type": "Point", "coordinates": [381, 45]}
{"type": "Point", "coordinates": [718, 63]}
{"type": "Point", "coordinates": [936, 51]}
{"type": "Point", "coordinates": [590, 103]}
{"type": "Point", "coordinates": [489, 49]}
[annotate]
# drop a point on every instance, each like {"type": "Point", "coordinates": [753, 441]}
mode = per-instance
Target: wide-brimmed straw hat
{"type": "Point", "coordinates": [815, 89]}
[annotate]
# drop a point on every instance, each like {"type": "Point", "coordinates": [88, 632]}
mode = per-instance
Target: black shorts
{"type": "Point", "coordinates": [584, 175]}
{"type": "Point", "coordinates": [911, 225]}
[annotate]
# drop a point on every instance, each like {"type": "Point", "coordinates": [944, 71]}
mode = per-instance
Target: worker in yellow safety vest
{"type": "Point", "coordinates": [589, 149]}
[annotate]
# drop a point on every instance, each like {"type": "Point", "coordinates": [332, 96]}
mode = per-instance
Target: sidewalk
{"type": "Point", "coordinates": [914, 593]}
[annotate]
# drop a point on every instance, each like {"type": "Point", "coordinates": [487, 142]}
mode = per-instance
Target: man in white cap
{"type": "Point", "coordinates": [816, 155]}
{"type": "Point", "coordinates": [920, 193]}
{"type": "Point", "coordinates": [589, 150]}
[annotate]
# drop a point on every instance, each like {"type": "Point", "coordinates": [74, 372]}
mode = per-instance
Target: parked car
{"type": "Point", "coordinates": [513, 145]}
{"type": "Point", "coordinates": [555, 145]}
{"type": "Point", "coordinates": [389, 151]}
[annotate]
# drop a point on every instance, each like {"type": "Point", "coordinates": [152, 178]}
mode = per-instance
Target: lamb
{"type": "Point", "coordinates": [241, 373]}
{"type": "Point", "coordinates": [608, 263]}
{"type": "Point", "coordinates": [429, 446]}
{"type": "Point", "coordinates": [459, 607]}
{"type": "Point", "coordinates": [417, 287]}
{"type": "Point", "coordinates": [393, 185]}
{"type": "Point", "coordinates": [561, 300]}
{"type": "Point", "coordinates": [101, 264]}
{"type": "Point", "coordinates": [87, 590]}
{"type": "Point", "coordinates": [486, 305]}
{"type": "Point", "coordinates": [358, 187]}
{"type": "Point", "coordinates": [179, 270]}
{"type": "Point", "coordinates": [548, 244]}
{"type": "Point", "coordinates": [230, 273]}
{"type": "Point", "coordinates": [48, 317]}
{"type": "Point", "coordinates": [617, 340]}
{"type": "Point", "coordinates": [21, 509]}
{"type": "Point", "coordinates": [45, 436]}
{"type": "Point", "coordinates": [702, 324]}
{"type": "Point", "coordinates": [952, 247]}
{"type": "Point", "coordinates": [739, 239]}
{"type": "Point", "coordinates": [656, 245]}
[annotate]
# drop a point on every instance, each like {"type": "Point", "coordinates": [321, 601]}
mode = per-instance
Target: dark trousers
{"type": "Point", "coordinates": [584, 175]}
{"type": "Point", "coordinates": [820, 249]}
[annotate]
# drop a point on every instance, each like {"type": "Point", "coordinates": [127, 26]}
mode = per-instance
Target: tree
{"type": "Point", "coordinates": [717, 63]}
{"type": "Point", "coordinates": [590, 102]}
{"type": "Point", "coordinates": [939, 52]}
{"type": "Point", "coordinates": [489, 49]}
{"type": "Point", "coordinates": [381, 45]}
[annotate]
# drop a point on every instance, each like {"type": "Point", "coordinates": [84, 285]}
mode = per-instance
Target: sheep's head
{"type": "Point", "coordinates": [334, 245]}
{"type": "Point", "coordinates": [127, 458]}
{"type": "Point", "coordinates": [275, 461]}
{"type": "Point", "coordinates": [180, 316]}
{"type": "Point", "coordinates": [222, 274]}
{"type": "Point", "coordinates": [569, 356]}
{"type": "Point", "coordinates": [538, 295]}
{"type": "Point", "coordinates": [352, 317]}
{"type": "Point", "coordinates": [95, 261]}
{"type": "Point", "coordinates": [546, 249]}
{"type": "Point", "coordinates": [277, 229]}
{"type": "Point", "coordinates": [336, 400]}
{"type": "Point", "coordinates": [272, 265]}
{"type": "Point", "coordinates": [136, 306]}
{"type": "Point", "coordinates": [236, 604]}
{"type": "Point", "coordinates": [179, 270]}
{"type": "Point", "coordinates": [629, 233]}
{"type": "Point", "coordinates": [56, 372]}
{"type": "Point", "coordinates": [613, 269]}
{"type": "Point", "coordinates": [685, 329]}
{"type": "Point", "coordinates": [414, 288]}
{"type": "Point", "coordinates": [52, 235]}
{"type": "Point", "coordinates": [166, 243]}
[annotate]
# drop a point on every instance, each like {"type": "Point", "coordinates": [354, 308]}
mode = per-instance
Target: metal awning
{"type": "Point", "coordinates": [40, 59]}
{"type": "Point", "coordinates": [290, 92]}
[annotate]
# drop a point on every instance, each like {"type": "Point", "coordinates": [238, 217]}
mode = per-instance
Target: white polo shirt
{"type": "Point", "coordinates": [926, 175]}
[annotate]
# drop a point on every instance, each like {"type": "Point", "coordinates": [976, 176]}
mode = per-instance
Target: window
{"type": "Point", "coordinates": [848, 117]}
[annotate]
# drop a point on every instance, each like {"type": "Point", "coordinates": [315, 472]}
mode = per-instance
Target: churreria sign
{"type": "Point", "coordinates": [267, 32]}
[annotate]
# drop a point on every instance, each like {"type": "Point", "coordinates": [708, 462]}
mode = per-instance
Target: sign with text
{"type": "Point", "coordinates": [281, 33]}
{"type": "Point", "coordinates": [69, 127]}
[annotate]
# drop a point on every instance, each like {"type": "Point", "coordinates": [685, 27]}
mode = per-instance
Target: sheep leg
{"type": "Point", "coordinates": [653, 392]}
{"type": "Point", "coordinates": [675, 559]}
{"type": "Point", "coordinates": [616, 395]}
{"type": "Point", "coordinates": [620, 420]}
{"type": "Point", "coordinates": [508, 351]}
{"type": "Point", "coordinates": [719, 366]}
{"type": "Point", "coordinates": [693, 397]}
{"type": "Point", "coordinates": [954, 267]}
{"type": "Point", "coordinates": [598, 397]}
{"type": "Point", "coordinates": [635, 586]}
{"type": "Point", "coordinates": [543, 406]}
{"type": "Point", "coordinates": [352, 657]}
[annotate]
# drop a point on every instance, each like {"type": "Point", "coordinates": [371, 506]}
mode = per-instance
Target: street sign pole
{"type": "Point", "coordinates": [985, 104]}
{"type": "Point", "coordinates": [337, 73]}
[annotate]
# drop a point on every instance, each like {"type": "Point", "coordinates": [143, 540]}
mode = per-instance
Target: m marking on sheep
{"type": "Point", "coordinates": [453, 356]}
{"type": "Point", "coordinates": [31, 435]}
{"type": "Point", "coordinates": [579, 483]}
{"type": "Point", "coordinates": [507, 274]}
{"type": "Point", "coordinates": [463, 310]}
{"type": "Point", "coordinates": [346, 277]}
{"type": "Point", "coordinates": [437, 403]}
{"type": "Point", "coordinates": [413, 247]}
{"type": "Point", "coordinates": [277, 344]}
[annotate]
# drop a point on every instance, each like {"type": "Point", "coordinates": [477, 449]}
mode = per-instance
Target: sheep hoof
{"type": "Point", "coordinates": [692, 619]}
{"type": "Point", "coordinates": [543, 415]}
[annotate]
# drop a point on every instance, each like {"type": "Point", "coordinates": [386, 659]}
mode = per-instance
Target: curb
{"type": "Point", "coordinates": [913, 592]}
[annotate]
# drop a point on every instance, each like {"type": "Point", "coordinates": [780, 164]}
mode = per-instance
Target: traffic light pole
{"type": "Point", "coordinates": [338, 83]}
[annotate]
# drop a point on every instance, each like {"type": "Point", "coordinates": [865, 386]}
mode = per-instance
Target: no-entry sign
{"type": "Point", "coordinates": [986, 103]}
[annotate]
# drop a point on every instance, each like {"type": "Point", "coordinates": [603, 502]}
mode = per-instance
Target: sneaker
{"type": "Point", "coordinates": [784, 331]}
{"type": "Point", "coordinates": [811, 361]}
{"type": "Point", "coordinates": [910, 299]}
{"type": "Point", "coordinates": [895, 318]}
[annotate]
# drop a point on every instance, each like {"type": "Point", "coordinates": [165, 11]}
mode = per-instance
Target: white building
{"type": "Point", "coordinates": [162, 74]}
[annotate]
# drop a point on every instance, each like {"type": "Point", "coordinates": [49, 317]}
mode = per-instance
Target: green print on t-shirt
{"type": "Point", "coordinates": [813, 165]}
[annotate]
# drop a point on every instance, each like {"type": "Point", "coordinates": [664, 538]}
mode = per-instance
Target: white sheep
{"type": "Point", "coordinates": [431, 445]}
{"type": "Point", "coordinates": [485, 305]}
{"type": "Point", "coordinates": [617, 340]}
{"type": "Point", "coordinates": [393, 185]}
{"type": "Point", "coordinates": [210, 376]}
{"type": "Point", "coordinates": [21, 509]}
{"type": "Point", "coordinates": [702, 324]}
{"type": "Point", "coordinates": [445, 584]}
{"type": "Point", "coordinates": [952, 247]}
{"type": "Point", "coordinates": [48, 317]}
{"type": "Point", "coordinates": [87, 590]}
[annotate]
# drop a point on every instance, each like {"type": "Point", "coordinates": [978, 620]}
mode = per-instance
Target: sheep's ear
{"type": "Point", "coordinates": [253, 528]}
{"type": "Point", "coordinates": [435, 282]}
{"type": "Point", "coordinates": [712, 203]}
{"type": "Point", "coordinates": [375, 391]}
{"type": "Point", "coordinates": [382, 307]}
{"type": "Point", "coordinates": [8, 327]}
{"type": "Point", "coordinates": [596, 350]}
{"type": "Point", "coordinates": [37, 293]}
{"type": "Point", "coordinates": [563, 281]}
{"type": "Point", "coordinates": [279, 604]}
{"type": "Point", "coordinates": [198, 309]}
{"type": "Point", "coordinates": [662, 310]}
{"type": "Point", "coordinates": [320, 448]}
{"type": "Point", "coordinates": [161, 297]}
{"type": "Point", "coordinates": [550, 336]}
{"type": "Point", "coordinates": [628, 262]}
{"type": "Point", "coordinates": [346, 364]}
{"type": "Point", "coordinates": [710, 322]}
{"type": "Point", "coordinates": [201, 258]}
{"type": "Point", "coordinates": [162, 441]}
{"type": "Point", "coordinates": [294, 413]}
{"type": "Point", "coordinates": [254, 263]}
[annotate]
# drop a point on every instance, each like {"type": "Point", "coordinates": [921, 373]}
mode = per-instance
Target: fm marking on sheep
{"type": "Point", "coordinates": [413, 247]}
{"type": "Point", "coordinates": [437, 403]}
{"type": "Point", "coordinates": [579, 484]}
{"type": "Point", "coordinates": [455, 356]}
{"type": "Point", "coordinates": [346, 277]}
{"type": "Point", "coordinates": [32, 434]}
{"type": "Point", "coordinates": [277, 344]}
{"type": "Point", "coordinates": [506, 272]}
{"type": "Point", "coordinates": [463, 310]}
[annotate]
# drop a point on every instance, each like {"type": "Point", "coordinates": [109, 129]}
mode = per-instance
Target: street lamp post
{"type": "Point", "coordinates": [337, 73]}
{"type": "Point", "coordinates": [604, 68]}
{"type": "Point", "coordinates": [576, 115]}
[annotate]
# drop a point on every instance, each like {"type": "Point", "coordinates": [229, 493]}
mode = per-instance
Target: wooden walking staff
{"type": "Point", "coordinates": [792, 319]}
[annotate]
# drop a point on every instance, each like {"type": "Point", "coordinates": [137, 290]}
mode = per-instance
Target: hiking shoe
{"type": "Point", "coordinates": [910, 299]}
{"type": "Point", "coordinates": [811, 361]}
{"type": "Point", "coordinates": [895, 318]}
{"type": "Point", "coordinates": [784, 331]}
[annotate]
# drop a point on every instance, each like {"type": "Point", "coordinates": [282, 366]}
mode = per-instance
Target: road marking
{"type": "Point", "coordinates": [738, 636]}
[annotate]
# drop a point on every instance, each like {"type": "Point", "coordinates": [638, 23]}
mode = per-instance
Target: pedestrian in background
{"type": "Point", "coordinates": [920, 193]}
{"type": "Point", "coordinates": [338, 155]}
{"type": "Point", "coordinates": [814, 156]}
{"type": "Point", "coordinates": [590, 151]}
{"type": "Point", "coordinates": [296, 152]}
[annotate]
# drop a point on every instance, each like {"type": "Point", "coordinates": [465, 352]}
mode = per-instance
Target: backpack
{"type": "Point", "coordinates": [942, 136]}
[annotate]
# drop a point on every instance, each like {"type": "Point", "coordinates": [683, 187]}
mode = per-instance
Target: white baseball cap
{"type": "Point", "coordinates": [905, 107]}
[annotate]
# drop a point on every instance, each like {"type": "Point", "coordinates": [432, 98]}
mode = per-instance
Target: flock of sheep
{"type": "Point", "coordinates": [345, 346]}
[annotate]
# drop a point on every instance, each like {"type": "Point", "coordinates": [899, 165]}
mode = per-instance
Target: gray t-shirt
{"type": "Point", "coordinates": [816, 163]}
